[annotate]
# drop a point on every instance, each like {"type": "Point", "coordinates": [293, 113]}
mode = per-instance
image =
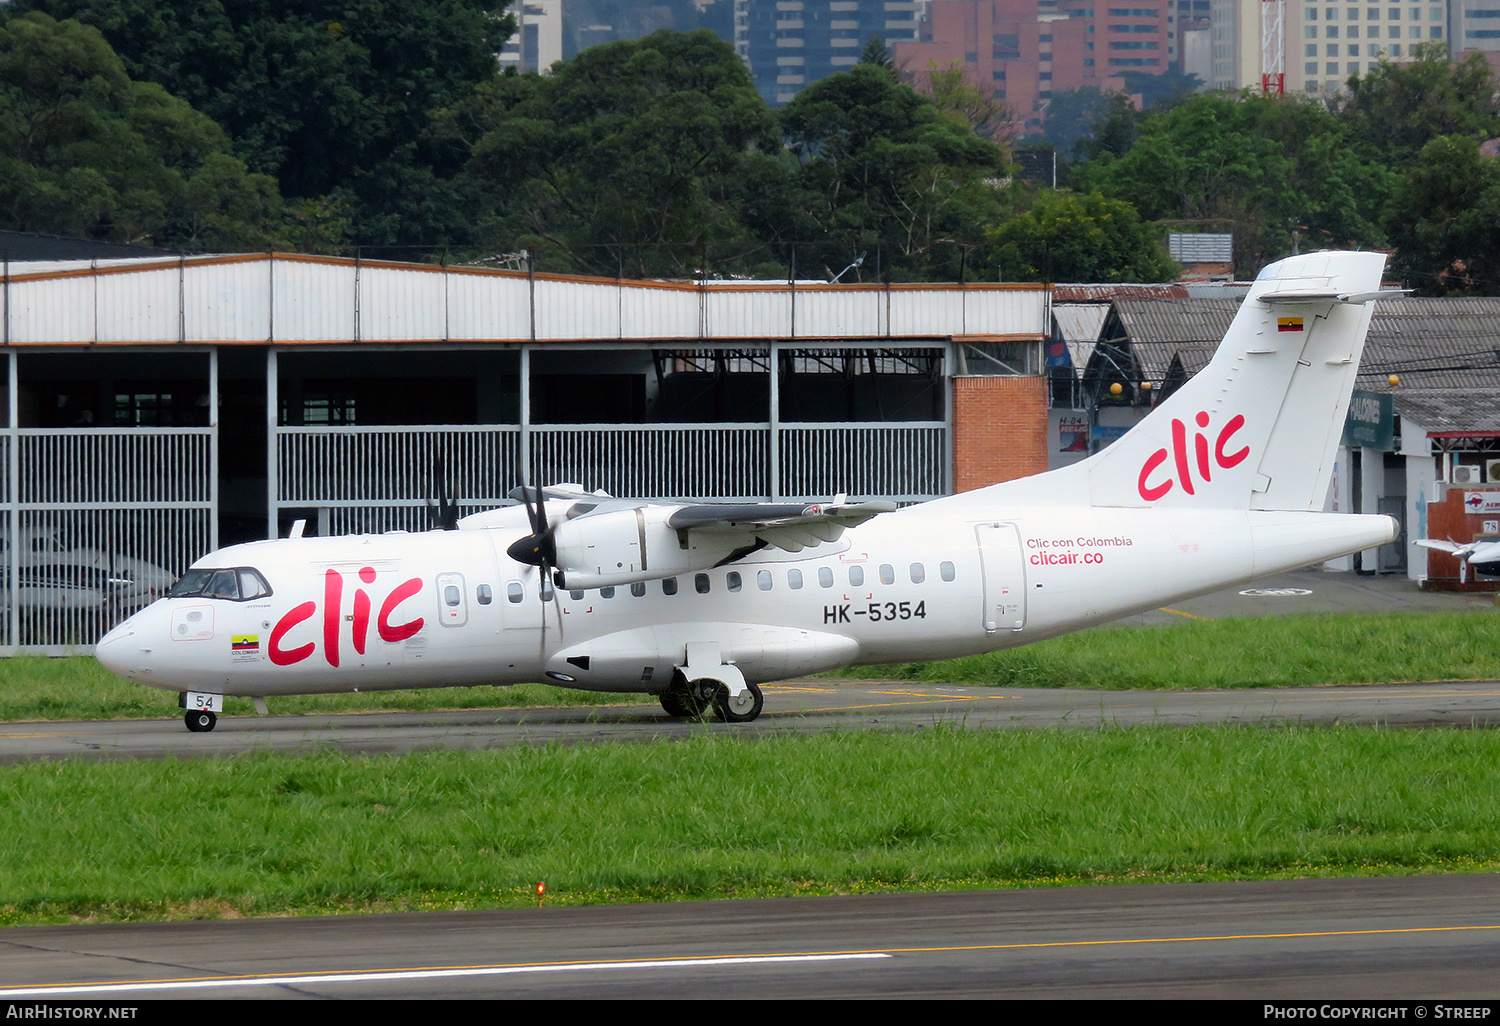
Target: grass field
{"type": "Point", "coordinates": [720, 816]}
{"type": "Point", "coordinates": [1294, 651]}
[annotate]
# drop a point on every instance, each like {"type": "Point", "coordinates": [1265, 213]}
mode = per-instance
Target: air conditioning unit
{"type": "Point", "coordinates": [1466, 475]}
{"type": "Point", "coordinates": [1492, 471]}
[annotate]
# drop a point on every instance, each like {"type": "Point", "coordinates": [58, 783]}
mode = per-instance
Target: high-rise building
{"type": "Point", "coordinates": [538, 42]}
{"type": "Point", "coordinates": [791, 43]}
{"type": "Point", "coordinates": [1022, 51]}
{"type": "Point", "coordinates": [1326, 43]}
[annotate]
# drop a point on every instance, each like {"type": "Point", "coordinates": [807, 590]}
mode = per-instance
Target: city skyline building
{"type": "Point", "coordinates": [789, 44]}
{"type": "Point", "coordinates": [1021, 52]}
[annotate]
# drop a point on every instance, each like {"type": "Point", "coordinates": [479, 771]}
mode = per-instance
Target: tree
{"type": "Point", "coordinates": [876, 53]}
{"type": "Point", "coordinates": [86, 151]}
{"type": "Point", "coordinates": [881, 167]}
{"type": "Point", "coordinates": [1066, 237]}
{"type": "Point", "coordinates": [1445, 220]}
{"type": "Point", "coordinates": [630, 158]}
{"type": "Point", "coordinates": [1270, 171]}
{"type": "Point", "coordinates": [326, 95]}
{"type": "Point", "coordinates": [1397, 109]}
{"type": "Point", "coordinates": [956, 97]}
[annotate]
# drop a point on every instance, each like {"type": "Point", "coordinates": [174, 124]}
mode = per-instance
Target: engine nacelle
{"type": "Point", "coordinates": [614, 547]}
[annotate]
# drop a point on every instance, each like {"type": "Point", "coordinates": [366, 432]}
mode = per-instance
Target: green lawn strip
{"type": "Point", "coordinates": [78, 688]}
{"type": "Point", "coordinates": [1294, 651]}
{"type": "Point", "coordinates": [724, 816]}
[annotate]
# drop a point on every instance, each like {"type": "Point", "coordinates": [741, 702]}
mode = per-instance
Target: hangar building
{"type": "Point", "coordinates": [157, 408]}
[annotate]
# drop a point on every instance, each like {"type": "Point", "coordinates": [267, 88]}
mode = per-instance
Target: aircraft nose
{"type": "Point", "coordinates": [121, 652]}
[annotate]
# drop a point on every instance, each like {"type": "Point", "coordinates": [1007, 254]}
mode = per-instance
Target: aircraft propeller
{"type": "Point", "coordinates": [539, 549]}
{"type": "Point", "coordinates": [442, 516]}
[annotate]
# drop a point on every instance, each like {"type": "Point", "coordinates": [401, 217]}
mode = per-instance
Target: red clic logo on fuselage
{"type": "Point", "coordinates": [333, 604]}
{"type": "Point", "coordinates": [1187, 459]}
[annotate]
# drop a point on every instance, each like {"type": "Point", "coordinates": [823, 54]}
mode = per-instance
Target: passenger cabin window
{"type": "Point", "coordinates": [887, 574]}
{"type": "Point", "coordinates": [576, 595]}
{"type": "Point", "coordinates": [485, 594]}
{"type": "Point", "coordinates": [638, 589]}
{"type": "Point", "coordinates": [945, 570]}
{"type": "Point", "coordinates": [669, 586]}
{"type": "Point", "coordinates": [825, 576]}
{"type": "Point", "coordinates": [514, 591]}
{"type": "Point", "coordinates": [700, 583]}
{"type": "Point", "coordinates": [763, 579]}
{"type": "Point", "coordinates": [794, 579]}
{"type": "Point", "coordinates": [732, 581]}
{"type": "Point", "coordinates": [857, 576]}
{"type": "Point", "coordinates": [918, 573]}
{"type": "Point", "coordinates": [451, 596]}
{"type": "Point", "coordinates": [606, 593]}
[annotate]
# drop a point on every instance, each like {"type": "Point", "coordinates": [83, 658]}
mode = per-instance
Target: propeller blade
{"type": "Point", "coordinates": [444, 515]}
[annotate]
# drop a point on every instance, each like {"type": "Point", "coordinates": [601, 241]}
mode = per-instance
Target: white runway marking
{"type": "Point", "coordinates": [396, 975]}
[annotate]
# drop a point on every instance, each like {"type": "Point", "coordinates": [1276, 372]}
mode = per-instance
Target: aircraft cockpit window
{"type": "Point", "coordinates": [945, 570]}
{"type": "Point", "coordinates": [190, 584]}
{"type": "Point", "coordinates": [485, 594]}
{"type": "Point", "coordinates": [252, 584]}
{"type": "Point", "coordinates": [237, 584]}
{"type": "Point", "coordinates": [224, 584]}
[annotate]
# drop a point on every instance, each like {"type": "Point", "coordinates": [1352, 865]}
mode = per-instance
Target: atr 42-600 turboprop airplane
{"type": "Point", "coordinates": [698, 604]}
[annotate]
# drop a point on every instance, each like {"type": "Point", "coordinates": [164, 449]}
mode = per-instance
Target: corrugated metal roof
{"type": "Point", "coordinates": [1434, 343]}
{"type": "Point", "coordinates": [293, 299]}
{"type": "Point", "coordinates": [1445, 351]}
{"type": "Point", "coordinates": [1106, 293]}
{"type": "Point", "coordinates": [1177, 321]}
{"type": "Point", "coordinates": [1078, 324]}
{"type": "Point", "coordinates": [1450, 409]}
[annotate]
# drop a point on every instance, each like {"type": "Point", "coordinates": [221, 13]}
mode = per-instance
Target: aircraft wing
{"type": "Point", "coordinates": [1470, 552]}
{"type": "Point", "coordinates": [789, 526]}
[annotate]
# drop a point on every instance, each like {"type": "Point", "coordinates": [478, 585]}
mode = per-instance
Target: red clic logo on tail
{"type": "Point", "coordinates": [1187, 458]}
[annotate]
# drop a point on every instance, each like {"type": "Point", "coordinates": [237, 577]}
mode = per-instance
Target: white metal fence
{"type": "Point", "coordinates": [101, 521]}
{"type": "Point", "coordinates": [373, 479]}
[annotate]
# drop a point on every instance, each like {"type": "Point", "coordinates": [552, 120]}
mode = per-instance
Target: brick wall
{"type": "Point", "coordinates": [999, 430]}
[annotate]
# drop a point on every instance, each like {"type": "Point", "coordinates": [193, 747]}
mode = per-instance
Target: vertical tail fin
{"type": "Point", "coordinates": [1258, 427]}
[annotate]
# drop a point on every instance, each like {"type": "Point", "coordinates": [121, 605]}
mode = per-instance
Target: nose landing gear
{"type": "Point", "coordinates": [200, 721]}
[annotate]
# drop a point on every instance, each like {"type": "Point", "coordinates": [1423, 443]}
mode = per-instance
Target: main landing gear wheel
{"type": "Point", "coordinates": [741, 708]}
{"type": "Point", "coordinates": [684, 699]}
{"type": "Point", "coordinates": [200, 721]}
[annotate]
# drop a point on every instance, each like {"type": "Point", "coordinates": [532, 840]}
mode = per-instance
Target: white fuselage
{"type": "Point", "coordinates": [948, 578]}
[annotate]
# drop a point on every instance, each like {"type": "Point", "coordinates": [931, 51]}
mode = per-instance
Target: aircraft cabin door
{"type": "Point", "coordinates": [1004, 569]}
{"type": "Point", "coordinates": [453, 604]}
